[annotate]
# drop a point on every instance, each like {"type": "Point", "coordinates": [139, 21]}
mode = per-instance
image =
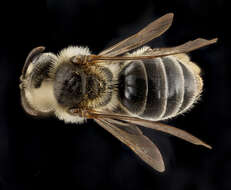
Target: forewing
{"type": "Point", "coordinates": [132, 136]}
{"type": "Point", "coordinates": [151, 31]}
{"type": "Point", "coordinates": [184, 48]}
{"type": "Point", "coordinates": [153, 125]}
{"type": "Point", "coordinates": [160, 52]}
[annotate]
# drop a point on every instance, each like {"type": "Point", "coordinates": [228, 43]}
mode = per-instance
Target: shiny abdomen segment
{"type": "Point", "coordinates": [162, 88]}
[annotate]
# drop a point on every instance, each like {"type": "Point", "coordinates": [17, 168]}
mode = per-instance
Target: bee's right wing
{"type": "Point", "coordinates": [159, 52]}
{"type": "Point", "coordinates": [184, 48]}
{"type": "Point", "coordinates": [133, 137]}
{"type": "Point", "coordinates": [151, 31]}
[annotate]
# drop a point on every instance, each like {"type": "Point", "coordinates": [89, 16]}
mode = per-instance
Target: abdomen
{"type": "Point", "coordinates": [159, 88]}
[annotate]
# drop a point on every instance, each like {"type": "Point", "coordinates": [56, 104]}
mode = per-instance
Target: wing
{"type": "Point", "coordinates": [184, 48]}
{"type": "Point", "coordinates": [132, 136]}
{"type": "Point", "coordinates": [149, 124]}
{"type": "Point", "coordinates": [159, 52]}
{"type": "Point", "coordinates": [151, 31]}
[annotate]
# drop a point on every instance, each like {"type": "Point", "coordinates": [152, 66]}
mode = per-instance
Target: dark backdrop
{"type": "Point", "coordinates": [46, 153]}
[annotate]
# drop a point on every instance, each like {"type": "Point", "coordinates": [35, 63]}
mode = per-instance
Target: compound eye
{"type": "Point", "coordinates": [37, 66]}
{"type": "Point", "coordinates": [41, 66]}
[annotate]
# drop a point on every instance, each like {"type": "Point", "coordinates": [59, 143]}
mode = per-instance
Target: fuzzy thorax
{"type": "Point", "coordinates": [65, 55]}
{"type": "Point", "coordinates": [97, 88]}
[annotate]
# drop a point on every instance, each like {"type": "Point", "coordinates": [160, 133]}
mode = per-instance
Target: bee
{"type": "Point", "coordinates": [119, 89]}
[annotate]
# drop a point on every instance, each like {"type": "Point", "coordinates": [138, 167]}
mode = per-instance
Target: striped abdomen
{"type": "Point", "coordinates": [160, 88]}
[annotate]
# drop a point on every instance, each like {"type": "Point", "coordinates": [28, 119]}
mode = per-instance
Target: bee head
{"type": "Point", "coordinates": [34, 86]}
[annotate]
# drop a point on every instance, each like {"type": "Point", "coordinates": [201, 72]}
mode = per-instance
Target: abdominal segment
{"type": "Point", "coordinates": [132, 89]}
{"type": "Point", "coordinates": [158, 89]}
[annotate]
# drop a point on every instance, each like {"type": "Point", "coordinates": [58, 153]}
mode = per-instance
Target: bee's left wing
{"type": "Point", "coordinates": [149, 124]}
{"type": "Point", "coordinates": [133, 137]}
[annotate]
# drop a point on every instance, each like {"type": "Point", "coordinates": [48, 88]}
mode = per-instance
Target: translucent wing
{"type": "Point", "coordinates": [184, 48]}
{"type": "Point", "coordinates": [132, 136]}
{"type": "Point", "coordinates": [160, 52]}
{"type": "Point", "coordinates": [150, 124]}
{"type": "Point", "coordinates": [151, 31]}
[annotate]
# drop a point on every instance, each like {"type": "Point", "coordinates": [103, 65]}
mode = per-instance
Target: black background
{"type": "Point", "coordinates": [46, 153]}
